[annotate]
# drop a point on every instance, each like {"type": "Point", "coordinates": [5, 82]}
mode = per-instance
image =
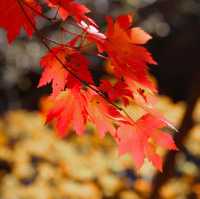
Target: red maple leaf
{"type": "Point", "coordinates": [56, 65]}
{"type": "Point", "coordinates": [69, 110]}
{"type": "Point", "coordinates": [102, 115]}
{"type": "Point", "coordinates": [118, 91]}
{"type": "Point", "coordinates": [73, 107]}
{"type": "Point", "coordinates": [123, 45]}
{"type": "Point", "coordinates": [68, 8]}
{"type": "Point", "coordinates": [53, 70]}
{"type": "Point", "coordinates": [13, 17]}
{"type": "Point", "coordinates": [142, 138]}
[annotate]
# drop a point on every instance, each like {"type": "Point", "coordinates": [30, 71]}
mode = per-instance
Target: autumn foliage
{"type": "Point", "coordinates": [75, 98]}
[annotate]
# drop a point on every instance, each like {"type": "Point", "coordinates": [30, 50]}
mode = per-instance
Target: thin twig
{"type": "Point", "coordinates": [37, 12]}
{"type": "Point", "coordinates": [57, 11]}
{"type": "Point", "coordinates": [70, 32]}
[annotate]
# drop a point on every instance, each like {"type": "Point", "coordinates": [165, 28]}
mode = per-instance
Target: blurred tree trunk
{"type": "Point", "coordinates": [187, 123]}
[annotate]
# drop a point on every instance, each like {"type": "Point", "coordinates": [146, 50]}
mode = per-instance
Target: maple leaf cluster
{"type": "Point", "coordinates": [75, 98]}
